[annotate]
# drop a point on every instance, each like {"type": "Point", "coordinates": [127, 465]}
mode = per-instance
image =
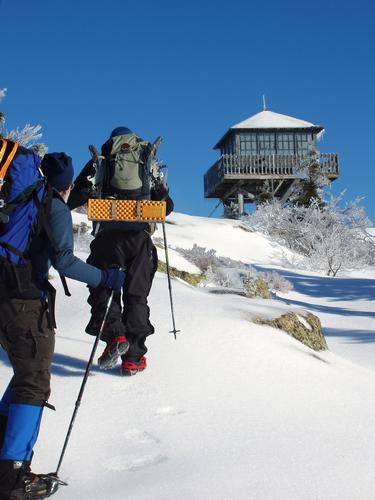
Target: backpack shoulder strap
{"type": "Point", "coordinates": [44, 209]}
{"type": "Point", "coordinates": [43, 223]}
{"type": "Point", "coordinates": [3, 148]}
{"type": "Point", "coordinates": [6, 159]}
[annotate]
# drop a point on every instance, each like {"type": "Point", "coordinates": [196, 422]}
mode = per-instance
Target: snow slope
{"type": "Point", "coordinates": [230, 410]}
{"type": "Point", "coordinates": [228, 237]}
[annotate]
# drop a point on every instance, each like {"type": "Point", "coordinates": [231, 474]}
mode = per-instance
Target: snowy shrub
{"type": "Point", "coordinates": [330, 238]}
{"type": "Point", "coordinates": [199, 256]}
{"type": "Point", "coordinates": [257, 283]}
{"type": "Point", "coordinates": [277, 283]}
{"type": "Point", "coordinates": [226, 277]}
{"type": "Point", "coordinates": [82, 237]}
{"type": "Point", "coordinates": [256, 286]}
{"type": "Point", "coordinates": [249, 286]}
{"type": "Point", "coordinates": [81, 228]}
{"type": "Point", "coordinates": [217, 276]}
{"type": "Point", "coordinates": [228, 273]}
{"type": "Point", "coordinates": [203, 258]}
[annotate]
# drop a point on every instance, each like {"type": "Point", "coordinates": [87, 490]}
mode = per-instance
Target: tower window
{"type": "Point", "coordinates": [303, 142]}
{"type": "Point", "coordinates": [266, 144]}
{"type": "Point", "coordinates": [248, 144]}
{"type": "Point", "coordinates": [285, 144]}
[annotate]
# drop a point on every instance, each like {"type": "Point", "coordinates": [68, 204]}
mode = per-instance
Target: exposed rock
{"type": "Point", "coordinates": [192, 279]}
{"type": "Point", "coordinates": [290, 323]}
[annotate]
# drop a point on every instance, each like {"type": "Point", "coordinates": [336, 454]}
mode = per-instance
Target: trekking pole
{"type": "Point", "coordinates": [87, 373]}
{"type": "Point", "coordinates": [174, 331]}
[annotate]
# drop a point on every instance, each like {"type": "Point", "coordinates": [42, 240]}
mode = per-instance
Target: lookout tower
{"type": "Point", "coordinates": [264, 153]}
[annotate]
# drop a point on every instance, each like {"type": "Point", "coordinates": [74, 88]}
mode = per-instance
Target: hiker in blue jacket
{"type": "Point", "coordinates": [27, 334]}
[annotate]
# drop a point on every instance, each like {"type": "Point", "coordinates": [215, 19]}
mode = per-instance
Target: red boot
{"type": "Point", "coordinates": [112, 352]}
{"type": "Point", "coordinates": [129, 368]}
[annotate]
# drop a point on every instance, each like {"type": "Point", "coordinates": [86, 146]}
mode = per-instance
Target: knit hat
{"type": "Point", "coordinates": [58, 168]}
{"type": "Point", "coordinates": [120, 131]}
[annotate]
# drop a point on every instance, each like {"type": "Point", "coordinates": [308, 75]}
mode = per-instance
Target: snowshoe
{"type": "Point", "coordinates": [129, 368]}
{"type": "Point", "coordinates": [37, 486]}
{"type": "Point", "coordinates": [112, 352]}
{"type": "Point", "coordinates": [19, 483]}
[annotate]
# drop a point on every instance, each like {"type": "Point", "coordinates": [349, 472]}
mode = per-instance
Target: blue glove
{"type": "Point", "coordinates": [113, 278]}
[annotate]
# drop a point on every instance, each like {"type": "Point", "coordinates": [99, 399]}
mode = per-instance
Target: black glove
{"type": "Point", "coordinates": [82, 189]}
{"type": "Point", "coordinates": [112, 278]}
{"type": "Point", "coordinates": [159, 193]}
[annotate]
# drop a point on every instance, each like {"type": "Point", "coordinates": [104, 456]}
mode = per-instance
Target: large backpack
{"type": "Point", "coordinates": [125, 172]}
{"type": "Point", "coordinates": [25, 200]}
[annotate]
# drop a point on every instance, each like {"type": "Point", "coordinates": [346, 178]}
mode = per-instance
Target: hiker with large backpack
{"type": "Point", "coordinates": [124, 171]}
{"type": "Point", "coordinates": [35, 231]}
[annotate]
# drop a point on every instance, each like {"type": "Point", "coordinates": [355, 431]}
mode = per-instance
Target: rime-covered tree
{"type": "Point", "coordinates": [2, 117]}
{"type": "Point", "coordinates": [265, 194]}
{"type": "Point", "coordinates": [28, 136]}
{"type": "Point", "coordinates": [312, 179]}
{"type": "Point", "coordinates": [329, 237]}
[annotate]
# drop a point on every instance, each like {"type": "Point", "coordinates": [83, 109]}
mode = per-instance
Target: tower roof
{"type": "Point", "coordinates": [270, 120]}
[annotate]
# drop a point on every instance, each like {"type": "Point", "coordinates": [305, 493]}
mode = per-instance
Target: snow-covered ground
{"type": "Point", "coordinates": [230, 410]}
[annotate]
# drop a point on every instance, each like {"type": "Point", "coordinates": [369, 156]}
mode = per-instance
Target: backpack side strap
{"type": "Point", "coordinates": [11, 248]}
{"type": "Point", "coordinates": [22, 198]}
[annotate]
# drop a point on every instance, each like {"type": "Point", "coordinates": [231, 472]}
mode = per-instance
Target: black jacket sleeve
{"type": "Point", "coordinates": [82, 187]}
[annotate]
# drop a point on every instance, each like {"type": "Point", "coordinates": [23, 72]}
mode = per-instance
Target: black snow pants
{"type": "Point", "coordinates": [135, 252]}
{"type": "Point", "coordinates": [29, 340]}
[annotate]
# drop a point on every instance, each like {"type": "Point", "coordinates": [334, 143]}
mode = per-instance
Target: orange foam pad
{"type": "Point", "coordinates": [126, 210]}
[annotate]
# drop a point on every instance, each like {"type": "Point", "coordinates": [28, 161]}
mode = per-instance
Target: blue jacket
{"type": "Point", "coordinates": [65, 262]}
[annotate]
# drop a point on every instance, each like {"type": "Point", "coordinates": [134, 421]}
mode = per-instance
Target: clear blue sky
{"type": "Point", "coordinates": [188, 71]}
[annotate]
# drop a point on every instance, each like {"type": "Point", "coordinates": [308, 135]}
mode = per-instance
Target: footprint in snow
{"type": "Point", "coordinates": [141, 437]}
{"type": "Point", "coordinates": [121, 463]}
{"type": "Point", "coordinates": [169, 410]}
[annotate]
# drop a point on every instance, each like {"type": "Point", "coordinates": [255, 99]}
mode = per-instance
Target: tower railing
{"type": "Point", "coordinates": [232, 166]}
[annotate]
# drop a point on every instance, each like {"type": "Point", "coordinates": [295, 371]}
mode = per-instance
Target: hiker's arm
{"type": "Point", "coordinates": [65, 261]}
{"type": "Point", "coordinates": [82, 187]}
{"type": "Point", "coordinates": [160, 193]}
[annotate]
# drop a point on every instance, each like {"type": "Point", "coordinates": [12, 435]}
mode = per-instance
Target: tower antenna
{"type": "Point", "coordinates": [264, 103]}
